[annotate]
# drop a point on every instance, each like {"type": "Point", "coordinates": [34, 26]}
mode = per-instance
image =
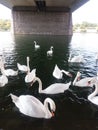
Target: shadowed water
{"type": "Point", "coordinates": [73, 110]}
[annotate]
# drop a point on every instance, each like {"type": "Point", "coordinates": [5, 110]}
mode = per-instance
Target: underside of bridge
{"type": "Point", "coordinates": [53, 17]}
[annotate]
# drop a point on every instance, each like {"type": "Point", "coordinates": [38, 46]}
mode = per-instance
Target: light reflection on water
{"type": "Point", "coordinates": [73, 109]}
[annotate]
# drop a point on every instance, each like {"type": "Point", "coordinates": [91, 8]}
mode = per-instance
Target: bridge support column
{"type": "Point", "coordinates": [29, 21]}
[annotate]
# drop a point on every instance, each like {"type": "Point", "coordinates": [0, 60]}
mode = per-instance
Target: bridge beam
{"type": "Point", "coordinates": [28, 20]}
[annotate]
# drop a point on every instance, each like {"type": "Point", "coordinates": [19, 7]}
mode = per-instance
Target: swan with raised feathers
{"type": "Point", "coordinates": [31, 106]}
{"type": "Point", "coordinates": [50, 52]}
{"type": "Point", "coordinates": [29, 76]}
{"type": "Point", "coordinates": [88, 81]}
{"type": "Point", "coordinates": [55, 88]}
{"type": "Point", "coordinates": [76, 59]}
{"type": "Point", "coordinates": [36, 45]}
{"type": "Point", "coordinates": [92, 97]}
{"type": "Point", "coordinates": [24, 68]}
{"type": "Point", "coordinates": [57, 73]}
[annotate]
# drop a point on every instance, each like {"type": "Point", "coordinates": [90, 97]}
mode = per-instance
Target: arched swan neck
{"type": "Point", "coordinates": [65, 72]}
{"type": "Point", "coordinates": [52, 106]}
{"type": "Point", "coordinates": [40, 84]}
{"type": "Point", "coordinates": [94, 93]}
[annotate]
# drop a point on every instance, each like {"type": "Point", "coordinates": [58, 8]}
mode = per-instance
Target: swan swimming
{"type": "Point", "coordinates": [57, 73]}
{"type": "Point", "coordinates": [88, 81]}
{"type": "Point", "coordinates": [50, 52]}
{"type": "Point", "coordinates": [76, 59]}
{"type": "Point", "coordinates": [24, 68]}
{"type": "Point", "coordinates": [8, 72]}
{"type": "Point", "coordinates": [55, 88]}
{"type": "Point", "coordinates": [36, 45]}
{"type": "Point", "coordinates": [31, 106]}
{"type": "Point", "coordinates": [92, 97]}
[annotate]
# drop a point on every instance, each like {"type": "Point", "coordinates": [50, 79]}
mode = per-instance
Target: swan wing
{"type": "Point", "coordinates": [10, 72]}
{"type": "Point", "coordinates": [84, 82]}
{"type": "Point", "coordinates": [31, 106]}
{"type": "Point", "coordinates": [56, 88]}
{"type": "Point", "coordinates": [57, 72]}
{"type": "Point", "coordinates": [23, 68]}
{"type": "Point", "coordinates": [30, 76]}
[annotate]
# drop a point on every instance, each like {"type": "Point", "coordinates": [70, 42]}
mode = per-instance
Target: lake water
{"type": "Point", "coordinates": [73, 110]}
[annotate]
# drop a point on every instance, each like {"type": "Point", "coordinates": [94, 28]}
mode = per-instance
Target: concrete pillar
{"type": "Point", "coordinates": [30, 21]}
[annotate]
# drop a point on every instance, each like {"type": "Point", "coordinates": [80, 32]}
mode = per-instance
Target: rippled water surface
{"type": "Point", "coordinates": [73, 110]}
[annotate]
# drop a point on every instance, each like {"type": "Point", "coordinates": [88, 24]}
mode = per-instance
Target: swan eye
{"type": "Point", "coordinates": [89, 82]}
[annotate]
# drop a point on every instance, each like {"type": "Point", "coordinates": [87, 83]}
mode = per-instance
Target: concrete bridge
{"type": "Point", "coordinates": [51, 17]}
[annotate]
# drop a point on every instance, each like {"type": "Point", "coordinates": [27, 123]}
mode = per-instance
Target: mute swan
{"type": "Point", "coordinates": [3, 80]}
{"type": "Point", "coordinates": [53, 88]}
{"type": "Point", "coordinates": [88, 81]}
{"type": "Point", "coordinates": [76, 59]}
{"type": "Point", "coordinates": [57, 73]}
{"type": "Point", "coordinates": [8, 72]}
{"type": "Point", "coordinates": [31, 106]}
{"type": "Point", "coordinates": [36, 45]}
{"type": "Point", "coordinates": [92, 97]}
{"type": "Point", "coordinates": [24, 68]}
{"type": "Point", "coordinates": [29, 76]}
{"type": "Point", "coordinates": [50, 52]}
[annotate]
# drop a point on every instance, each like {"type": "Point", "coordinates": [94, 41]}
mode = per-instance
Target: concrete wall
{"type": "Point", "coordinates": [48, 23]}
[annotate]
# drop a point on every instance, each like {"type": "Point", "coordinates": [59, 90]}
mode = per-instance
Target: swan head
{"type": "Point", "coordinates": [52, 105]}
{"type": "Point", "coordinates": [51, 47]}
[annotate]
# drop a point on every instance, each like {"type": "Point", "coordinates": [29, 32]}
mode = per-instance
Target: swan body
{"type": "Point", "coordinates": [3, 80]}
{"type": "Point", "coordinates": [24, 68]}
{"type": "Point", "coordinates": [31, 106]}
{"type": "Point", "coordinates": [36, 45]}
{"type": "Point", "coordinates": [54, 88]}
{"type": "Point", "coordinates": [8, 72]}
{"type": "Point", "coordinates": [92, 97]}
{"type": "Point", "coordinates": [57, 73]}
{"type": "Point", "coordinates": [50, 52]}
{"type": "Point", "coordinates": [29, 76]}
{"type": "Point", "coordinates": [88, 81]}
{"type": "Point", "coordinates": [76, 59]}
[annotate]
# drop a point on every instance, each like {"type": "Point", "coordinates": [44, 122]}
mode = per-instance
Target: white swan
{"type": "Point", "coordinates": [92, 97]}
{"type": "Point", "coordinates": [29, 76]}
{"type": "Point", "coordinates": [57, 73]}
{"type": "Point", "coordinates": [31, 106]}
{"type": "Point", "coordinates": [3, 80]}
{"type": "Point", "coordinates": [88, 81]}
{"type": "Point", "coordinates": [36, 45]}
{"type": "Point", "coordinates": [50, 52]}
{"type": "Point", "coordinates": [76, 59]}
{"type": "Point", "coordinates": [8, 72]}
{"type": "Point", "coordinates": [24, 68]}
{"type": "Point", "coordinates": [53, 88]}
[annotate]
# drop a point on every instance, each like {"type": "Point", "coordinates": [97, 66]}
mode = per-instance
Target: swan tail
{"type": "Point", "coordinates": [13, 97]}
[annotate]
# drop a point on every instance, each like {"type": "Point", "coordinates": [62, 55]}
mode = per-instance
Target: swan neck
{"type": "Point", "coordinates": [28, 65]}
{"type": "Point", "coordinates": [46, 102]}
{"type": "Point", "coordinates": [65, 72]}
{"type": "Point", "coordinates": [40, 84]}
{"type": "Point", "coordinates": [75, 80]}
{"type": "Point", "coordinates": [94, 93]}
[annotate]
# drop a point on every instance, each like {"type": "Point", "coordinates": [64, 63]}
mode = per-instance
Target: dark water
{"type": "Point", "coordinates": [73, 110]}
